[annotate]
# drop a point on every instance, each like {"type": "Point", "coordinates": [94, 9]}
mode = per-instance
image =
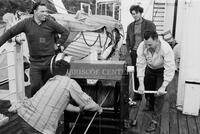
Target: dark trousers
{"type": "Point", "coordinates": [39, 73]}
{"type": "Point", "coordinates": [133, 55]}
{"type": "Point", "coordinates": [25, 128]}
{"type": "Point", "coordinates": [152, 81]}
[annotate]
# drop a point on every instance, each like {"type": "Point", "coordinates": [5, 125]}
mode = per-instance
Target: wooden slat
{"type": "Point", "coordinates": [198, 124]}
{"type": "Point", "coordinates": [140, 115]}
{"type": "Point", "coordinates": [192, 125]}
{"type": "Point", "coordinates": [172, 102]}
{"type": "Point", "coordinates": [145, 123]}
{"type": "Point", "coordinates": [173, 122]}
{"type": "Point", "coordinates": [164, 129]}
{"type": "Point", "coordinates": [182, 121]}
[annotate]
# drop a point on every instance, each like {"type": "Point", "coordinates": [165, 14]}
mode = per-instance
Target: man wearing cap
{"type": "Point", "coordinates": [40, 114]}
{"type": "Point", "coordinates": [40, 31]}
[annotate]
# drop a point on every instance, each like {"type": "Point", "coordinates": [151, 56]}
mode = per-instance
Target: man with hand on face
{"type": "Point", "coordinates": [155, 69]}
{"type": "Point", "coordinates": [40, 32]}
{"type": "Point", "coordinates": [135, 35]}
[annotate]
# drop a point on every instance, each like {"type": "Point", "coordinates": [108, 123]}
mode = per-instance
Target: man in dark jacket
{"type": "Point", "coordinates": [135, 35]}
{"type": "Point", "coordinates": [40, 31]}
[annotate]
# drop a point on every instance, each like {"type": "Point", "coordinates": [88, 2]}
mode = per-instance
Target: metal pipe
{"type": "Point", "coordinates": [131, 69]}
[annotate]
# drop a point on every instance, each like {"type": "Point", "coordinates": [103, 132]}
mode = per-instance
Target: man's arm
{"type": "Point", "coordinates": [61, 30]}
{"type": "Point", "coordinates": [141, 61]}
{"type": "Point", "coordinates": [13, 31]}
{"type": "Point", "coordinates": [169, 65]}
{"type": "Point", "coordinates": [141, 65]}
{"type": "Point", "coordinates": [128, 39]}
{"type": "Point", "coordinates": [72, 108]}
{"type": "Point", "coordinates": [82, 99]}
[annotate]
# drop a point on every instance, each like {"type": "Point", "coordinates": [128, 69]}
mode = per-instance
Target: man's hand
{"type": "Point", "coordinates": [81, 110]}
{"type": "Point", "coordinates": [141, 89]}
{"type": "Point", "coordinates": [59, 49]}
{"type": "Point", "coordinates": [161, 91]}
{"type": "Point", "coordinates": [14, 107]}
{"type": "Point", "coordinates": [100, 110]}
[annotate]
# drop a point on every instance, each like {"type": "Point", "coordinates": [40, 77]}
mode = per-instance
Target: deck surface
{"type": "Point", "coordinates": [172, 121]}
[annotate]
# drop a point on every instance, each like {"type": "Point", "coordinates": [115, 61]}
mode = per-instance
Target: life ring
{"type": "Point", "coordinates": [56, 58]}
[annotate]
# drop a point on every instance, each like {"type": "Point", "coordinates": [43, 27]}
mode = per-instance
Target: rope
{"type": "Point", "coordinates": [75, 123]}
{"type": "Point", "coordinates": [98, 37]}
{"type": "Point", "coordinates": [106, 42]}
{"type": "Point", "coordinates": [96, 112]}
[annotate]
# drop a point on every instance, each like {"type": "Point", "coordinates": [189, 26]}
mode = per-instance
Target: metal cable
{"type": "Point", "coordinates": [96, 112]}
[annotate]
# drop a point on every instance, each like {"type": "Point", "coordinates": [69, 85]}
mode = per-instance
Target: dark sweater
{"type": "Point", "coordinates": [41, 38]}
{"type": "Point", "coordinates": [130, 38]}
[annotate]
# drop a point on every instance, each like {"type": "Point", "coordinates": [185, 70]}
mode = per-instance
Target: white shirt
{"type": "Point", "coordinates": [162, 57]}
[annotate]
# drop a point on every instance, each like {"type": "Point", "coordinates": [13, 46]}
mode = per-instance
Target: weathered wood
{"type": "Point", "coordinates": [182, 121]}
{"type": "Point", "coordinates": [198, 123]}
{"type": "Point", "coordinates": [192, 125]}
{"type": "Point", "coordinates": [164, 125]}
{"type": "Point", "coordinates": [173, 121]}
{"type": "Point", "coordinates": [140, 114]}
{"type": "Point", "coordinates": [145, 122]}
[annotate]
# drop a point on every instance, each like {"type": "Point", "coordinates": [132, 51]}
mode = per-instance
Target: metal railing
{"type": "Point", "coordinates": [15, 73]}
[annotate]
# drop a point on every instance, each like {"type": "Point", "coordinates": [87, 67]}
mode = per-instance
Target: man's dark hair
{"type": "Point", "coordinates": [36, 5]}
{"type": "Point", "coordinates": [61, 67]}
{"type": "Point", "coordinates": [150, 34]}
{"type": "Point", "coordinates": [136, 8]}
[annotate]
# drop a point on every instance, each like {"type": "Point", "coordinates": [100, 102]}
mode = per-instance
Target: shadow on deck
{"type": "Point", "coordinates": [172, 121]}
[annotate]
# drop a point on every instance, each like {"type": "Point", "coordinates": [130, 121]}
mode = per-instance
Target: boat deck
{"type": "Point", "coordinates": [172, 121]}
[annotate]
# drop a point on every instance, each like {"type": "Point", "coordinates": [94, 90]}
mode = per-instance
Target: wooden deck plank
{"type": "Point", "coordinates": [139, 117]}
{"type": "Point", "coordinates": [192, 125]}
{"type": "Point", "coordinates": [164, 125]}
{"type": "Point", "coordinates": [182, 121]}
{"type": "Point", "coordinates": [172, 90]}
{"type": "Point", "coordinates": [145, 122]}
{"type": "Point", "coordinates": [173, 121]}
{"type": "Point", "coordinates": [198, 123]}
